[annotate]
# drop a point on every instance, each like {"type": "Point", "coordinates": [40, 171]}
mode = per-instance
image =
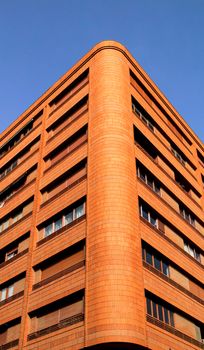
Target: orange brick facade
{"type": "Point", "coordinates": [101, 215]}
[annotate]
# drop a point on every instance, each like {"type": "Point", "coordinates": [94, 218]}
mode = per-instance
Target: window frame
{"type": "Point", "coordinates": [142, 117]}
{"type": "Point", "coordinates": [149, 216]}
{"type": "Point", "coordinates": [62, 217]}
{"type": "Point", "coordinates": [148, 251]}
{"type": "Point", "coordinates": [145, 176]}
{"type": "Point", "coordinates": [160, 312]}
{"type": "Point", "coordinates": [7, 292]}
{"type": "Point", "coordinates": [191, 250]}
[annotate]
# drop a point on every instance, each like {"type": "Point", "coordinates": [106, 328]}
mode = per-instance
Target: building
{"type": "Point", "coordinates": [101, 218]}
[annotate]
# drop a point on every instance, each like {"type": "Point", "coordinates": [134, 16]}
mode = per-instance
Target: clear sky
{"type": "Point", "coordinates": [41, 39]}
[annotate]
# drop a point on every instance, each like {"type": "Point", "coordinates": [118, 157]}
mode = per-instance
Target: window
{"type": "Point", "coordinates": [17, 216]}
{"type": "Point", "coordinates": [9, 168]}
{"type": "Point", "coordinates": [63, 312]}
{"type": "Point", "coordinates": [72, 143]}
{"type": "Point", "coordinates": [201, 158]}
{"type": "Point", "coordinates": [11, 254]}
{"type": "Point", "coordinates": [142, 114]}
{"type": "Point", "coordinates": [78, 83]}
{"type": "Point", "coordinates": [187, 215]}
{"type": "Point", "coordinates": [16, 138]}
{"type": "Point", "coordinates": [13, 188]}
{"type": "Point", "coordinates": [153, 258]}
{"type": "Point", "coordinates": [182, 182]}
{"type": "Point", "coordinates": [4, 225]}
{"type": "Point", "coordinates": [7, 292]}
{"type": "Point", "coordinates": [178, 156]}
{"type": "Point", "coordinates": [148, 178]}
{"type": "Point", "coordinates": [148, 215]}
{"type": "Point", "coordinates": [19, 158]}
{"type": "Point", "coordinates": [64, 219]}
{"type": "Point", "coordinates": [192, 251]}
{"type": "Point", "coordinates": [159, 311]}
{"type": "Point", "coordinates": [145, 144]}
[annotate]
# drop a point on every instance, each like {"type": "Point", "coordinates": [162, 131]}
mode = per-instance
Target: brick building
{"type": "Point", "coordinates": [101, 215]}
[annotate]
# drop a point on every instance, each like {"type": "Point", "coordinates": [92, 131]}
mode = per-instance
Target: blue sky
{"type": "Point", "coordinates": [41, 39]}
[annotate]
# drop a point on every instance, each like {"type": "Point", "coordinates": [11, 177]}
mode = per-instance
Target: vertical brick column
{"type": "Point", "coordinates": [115, 310]}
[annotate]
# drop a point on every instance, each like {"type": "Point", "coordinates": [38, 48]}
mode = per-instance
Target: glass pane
{"type": "Point", "coordinates": [154, 309]}
{"type": "Point", "coordinates": [144, 213]}
{"type": "Point", "coordinates": [6, 224]}
{"type": "Point", "coordinates": [166, 315]}
{"type": "Point", "coordinates": [165, 269]}
{"type": "Point", "coordinates": [160, 312]}
{"type": "Point", "coordinates": [191, 251]}
{"type": "Point", "coordinates": [10, 291]}
{"type": "Point", "coordinates": [142, 175]}
{"type": "Point", "coordinates": [171, 319]}
{"type": "Point", "coordinates": [192, 221]}
{"type": "Point", "coordinates": [3, 294]}
{"type": "Point", "coordinates": [153, 220]}
{"type": "Point", "coordinates": [68, 218]}
{"type": "Point", "coordinates": [143, 253]}
{"type": "Point", "coordinates": [197, 256]}
{"type": "Point", "coordinates": [157, 263]}
{"type": "Point", "coordinates": [79, 211]}
{"type": "Point", "coordinates": [156, 188]}
{"type": "Point", "coordinates": [149, 310]}
{"type": "Point", "coordinates": [48, 230]}
{"type": "Point", "coordinates": [150, 181]}
{"type": "Point", "coordinates": [58, 224]}
{"type": "Point", "coordinates": [149, 258]}
{"type": "Point", "coordinates": [186, 247]}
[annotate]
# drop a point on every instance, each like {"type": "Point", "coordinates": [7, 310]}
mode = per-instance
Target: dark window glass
{"type": "Point", "coordinates": [156, 188]}
{"type": "Point", "coordinates": [58, 224]}
{"type": "Point", "coordinates": [153, 220]}
{"type": "Point", "coordinates": [166, 315]}
{"type": "Point", "coordinates": [150, 181]}
{"type": "Point", "coordinates": [149, 310]}
{"type": "Point", "coordinates": [171, 319]}
{"type": "Point", "coordinates": [149, 258]}
{"type": "Point", "coordinates": [142, 174]}
{"type": "Point", "coordinates": [143, 253]}
{"type": "Point", "coordinates": [154, 309]}
{"type": "Point", "coordinates": [157, 263]}
{"type": "Point", "coordinates": [197, 256]}
{"type": "Point", "coordinates": [144, 213]}
{"type": "Point", "coordinates": [48, 230]}
{"type": "Point", "coordinates": [165, 269]}
{"type": "Point", "coordinates": [160, 312]}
